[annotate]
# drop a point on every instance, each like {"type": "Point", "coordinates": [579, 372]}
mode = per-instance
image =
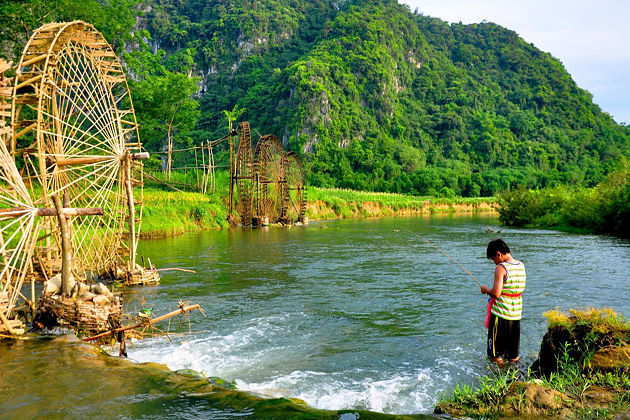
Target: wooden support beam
{"type": "Point", "coordinates": [11, 213]}
{"type": "Point", "coordinates": [140, 156]}
{"type": "Point", "coordinates": [86, 160]}
{"type": "Point", "coordinates": [34, 60]}
{"type": "Point", "coordinates": [29, 81]}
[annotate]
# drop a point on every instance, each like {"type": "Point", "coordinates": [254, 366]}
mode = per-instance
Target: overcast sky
{"type": "Point", "coordinates": [591, 38]}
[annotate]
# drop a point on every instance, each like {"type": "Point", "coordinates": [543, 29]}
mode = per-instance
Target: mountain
{"type": "Point", "coordinates": [375, 97]}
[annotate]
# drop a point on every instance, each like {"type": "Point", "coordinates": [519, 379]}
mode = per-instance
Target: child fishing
{"type": "Point", "coordinates": [506, 304]}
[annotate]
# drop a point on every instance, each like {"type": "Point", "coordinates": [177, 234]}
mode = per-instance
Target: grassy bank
{"type": "Point", "coordinates": [168, 212]}
{"type": "Point", "coordinates": [327, 203]}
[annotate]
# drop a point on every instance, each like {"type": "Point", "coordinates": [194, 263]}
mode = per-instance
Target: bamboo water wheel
{"type": "Point", "coordinates": [270, 179]}
{"type": "Point", "coordinates": [75, 134]}
{"type": "Point", "coordinates": [18, 233]}
{"type": "Point", "coordinates": [295, 190]}
{"type": "Point", "coordinates": [244, 175]}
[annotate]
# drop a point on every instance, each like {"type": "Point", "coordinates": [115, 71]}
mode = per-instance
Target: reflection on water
{"type": "Point", "coordinates": [360, 314]}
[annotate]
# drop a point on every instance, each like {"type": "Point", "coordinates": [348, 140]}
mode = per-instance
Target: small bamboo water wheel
{"type": "Point", "coordinates": [295, 190]}
{"type": "Point", "coordinates": [243, 176]}
{"type": "Point", "coordinates": [269, 163]}
{"type": "Point", "coordinates": [75, 134]}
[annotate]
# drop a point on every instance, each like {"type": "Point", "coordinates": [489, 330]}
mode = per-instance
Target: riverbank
{"type": "Point", "coordinates": [170, 213]}
{"type": "Point", "coordinates": [581, 372]}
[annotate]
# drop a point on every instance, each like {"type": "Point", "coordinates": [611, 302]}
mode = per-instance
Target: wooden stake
{"type": "Point", "coordinates": [66, 246]}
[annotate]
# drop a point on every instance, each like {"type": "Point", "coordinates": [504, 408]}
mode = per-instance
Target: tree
{"type": "Point", "coordinates": [164, 104]}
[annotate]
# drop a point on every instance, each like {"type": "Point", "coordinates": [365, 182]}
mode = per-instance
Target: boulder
{"type": "Point", "coordinates": [100, 289]}
{"type": "Point", "coordinates": [612, 358]}
{"type": "Point", "coordinates": [101, 300]}
{"type": "Point", "coordinates": [53, 285]}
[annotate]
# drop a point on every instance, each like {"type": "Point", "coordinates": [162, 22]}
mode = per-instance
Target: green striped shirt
{"type": "Point", "coordinates": [510, 304]}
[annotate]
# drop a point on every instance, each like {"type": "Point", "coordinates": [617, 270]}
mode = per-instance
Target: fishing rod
{"type": "Point", "coordinates": [436, 247]}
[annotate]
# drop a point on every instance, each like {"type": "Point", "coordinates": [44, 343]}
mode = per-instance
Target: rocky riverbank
{"type": "Point", "coordinates": [582, 372]}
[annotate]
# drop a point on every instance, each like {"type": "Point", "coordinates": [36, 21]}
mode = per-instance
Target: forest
{"type": "Point", "coordinates": [372, 96]}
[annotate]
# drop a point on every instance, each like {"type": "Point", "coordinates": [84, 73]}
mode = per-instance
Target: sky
{"type": "Point", "coordinates": [591, 38]}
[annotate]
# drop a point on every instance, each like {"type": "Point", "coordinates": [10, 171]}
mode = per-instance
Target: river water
{"type": "Point", "coordinates": [350, 314]}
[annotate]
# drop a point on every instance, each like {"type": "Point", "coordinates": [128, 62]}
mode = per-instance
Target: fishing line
{"type": "Point", "coordinates": [436, 247]}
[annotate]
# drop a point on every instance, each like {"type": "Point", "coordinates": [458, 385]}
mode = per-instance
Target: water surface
{"type": "Point", "coordinates": [351, 314]}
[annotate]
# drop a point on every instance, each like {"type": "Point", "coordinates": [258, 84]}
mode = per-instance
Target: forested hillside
{"type": "Point", "coordinates": [371, 95]}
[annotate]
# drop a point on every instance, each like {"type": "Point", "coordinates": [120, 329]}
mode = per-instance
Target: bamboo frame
{"type": "Point", "coordinates": [75, 115]}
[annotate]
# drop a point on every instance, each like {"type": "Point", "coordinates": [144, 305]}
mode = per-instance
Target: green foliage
{"type": "Point", "coordinates": [19, 19]}
{"type": "Point", "coordinates": [163, 101]}
{"type": "Point", "coordinates": [372, 96]}
{"type": "Point", "coordinates": [604, 208]}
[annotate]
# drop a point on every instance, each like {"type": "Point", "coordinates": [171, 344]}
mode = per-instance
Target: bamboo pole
{"type": "Point", "coordinates": [5, 321]}
{"type": "Point", "coordinates": [132, 212]}
{"type": "Point", "coordinates": [181, 310]}
{"type": "Point", "coordinates": [212, 167]}
{"type": "Point", "coordinates": [204, 178]}
{"type": "Point", "coordinates": [197, 168]}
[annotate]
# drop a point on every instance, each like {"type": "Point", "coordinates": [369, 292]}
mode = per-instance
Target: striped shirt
{"type": "Point", "coordinates": [510, 304]}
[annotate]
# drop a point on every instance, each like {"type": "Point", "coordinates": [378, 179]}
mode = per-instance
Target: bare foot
{"type": "Point", "coordinates": [497, 360]}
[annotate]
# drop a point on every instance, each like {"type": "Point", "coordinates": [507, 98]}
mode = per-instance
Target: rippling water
{"type": "Point", "coordinates": [353, 314]}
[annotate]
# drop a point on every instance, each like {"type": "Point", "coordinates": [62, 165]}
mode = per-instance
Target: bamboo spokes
{"type": "Point", "coordinates": [270, 177]}
{"type": "Point", "coordinates": [72, 95]}
{"type": "Point", "coordinates": [244, 175]}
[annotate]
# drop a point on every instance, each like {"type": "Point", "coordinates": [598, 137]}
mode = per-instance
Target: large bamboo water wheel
{"type": "Point", "coordinates": [270, 165]}
{"type": "Point", "coordinates": [75, 134]}
{"type": "Point", "coordinates": [295, 190]}
{"type": "Point", "coordinates": [243, 177]}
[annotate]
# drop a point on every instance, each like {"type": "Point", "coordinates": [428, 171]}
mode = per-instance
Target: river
{"type": "Point", "coordinates": [346, 314]}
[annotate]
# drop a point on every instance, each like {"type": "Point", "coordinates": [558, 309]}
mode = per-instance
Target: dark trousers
{"type": "Point", "coordinates": [504, 338]}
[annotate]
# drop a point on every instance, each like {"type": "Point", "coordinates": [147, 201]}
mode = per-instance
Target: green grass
{"type": "Point", "coordinates": [349, 203]}
{"type": "Point", "coordinates": [168, 213]}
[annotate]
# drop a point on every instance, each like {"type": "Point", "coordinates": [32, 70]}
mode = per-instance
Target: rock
{"type": "Point", "coordinates": [101, 300]}
{"type": "Point", "coordinates": [53, 285]}
{"type": "Point", "coordinates": [612, 358]}
{"type": "Point", "coordinates": [550, 349]}
{"type": "Point", "coordinates": [101, 289]}
{"type": "Point", "coordinates": [622, 415]}
{"type": "Point", "coordinates": [88, 296]}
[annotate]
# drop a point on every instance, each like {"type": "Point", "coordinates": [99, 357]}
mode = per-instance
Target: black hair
{"type": "Point", "coordinates": [496, 245]}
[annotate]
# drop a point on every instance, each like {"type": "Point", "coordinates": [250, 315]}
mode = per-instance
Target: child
{"type": "Point", "coordinates": [506, 303]}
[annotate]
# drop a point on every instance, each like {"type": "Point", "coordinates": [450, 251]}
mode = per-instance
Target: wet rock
{"type": "Point", "coordinates": [100, 289]}
{"type": "Point", "coordinates": [101, 300]}
{"type": "Point", "coordinates": [600, 397]}
{"type": "Point", "coordinates": [623, 415]}
{"type": "Point", "coordinates": [550, 348]}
